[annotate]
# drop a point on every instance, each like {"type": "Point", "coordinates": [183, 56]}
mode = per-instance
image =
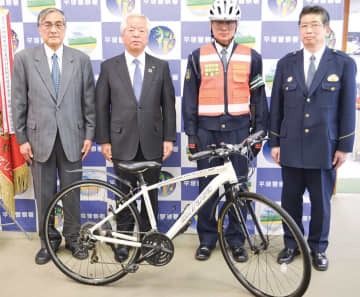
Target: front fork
{"type": "Point", "coordinates": [237, 205]}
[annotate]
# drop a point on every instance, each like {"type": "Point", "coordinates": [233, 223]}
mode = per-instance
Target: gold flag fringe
{"type": "Point", "coordinates": [21, 178]}
{"type": "Point", "coordinates": [7, 194]}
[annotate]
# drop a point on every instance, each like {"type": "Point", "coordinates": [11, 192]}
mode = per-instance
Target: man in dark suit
{"type": "Point", "coordinates": [135, 104]}
{"type": "Point", "coordinates": [223, 79]}
{"type": "Point", "coordinates": [53, 103]}
{"type": "Point", "coordinates": [312, 128]}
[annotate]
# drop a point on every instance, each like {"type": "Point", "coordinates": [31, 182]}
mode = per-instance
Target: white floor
{"type": "Point", "coordinates": [184, 276]}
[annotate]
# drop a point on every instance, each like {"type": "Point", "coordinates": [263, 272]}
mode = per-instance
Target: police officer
{"type": "Point", "coordinates": [312, 122]}
{"type": "Point", "coordinates": [222, 79]}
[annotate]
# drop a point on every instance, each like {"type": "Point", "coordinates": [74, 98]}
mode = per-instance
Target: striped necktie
{"type": "Point", "coordinates": [137, 82]}
{"type": "Point", "coordinates": [55, 74]}
{"type": "Point", "coordinates": [311, 72]}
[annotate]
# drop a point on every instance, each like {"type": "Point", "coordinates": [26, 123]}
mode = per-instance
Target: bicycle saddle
{"type": "Point", "coordinates": [137, 167]}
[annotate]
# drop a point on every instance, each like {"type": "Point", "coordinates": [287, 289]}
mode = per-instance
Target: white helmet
{"type": "Point", "coordinates": [224, 10]}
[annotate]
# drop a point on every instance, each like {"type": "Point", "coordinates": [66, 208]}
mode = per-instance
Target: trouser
{"type": "Point", "coordinates": [207, 225]}
{"type": "Point", "coordinates": [320, 184]}
{"type": "Point", "coordinates": [45, 186]}
{"type": "Point", "coordinates": [151, 176]}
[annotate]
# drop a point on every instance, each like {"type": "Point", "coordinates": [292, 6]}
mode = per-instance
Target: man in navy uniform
{"type": "Point", "coordinates": [312, 122]}
{"type": "Point", "coordinates": [222, 79]}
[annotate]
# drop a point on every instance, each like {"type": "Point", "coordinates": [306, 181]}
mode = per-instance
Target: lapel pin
{"type": "Point", "coordinates": [333, 78]}
{"type": "Point", "coordinates": [290, 79]}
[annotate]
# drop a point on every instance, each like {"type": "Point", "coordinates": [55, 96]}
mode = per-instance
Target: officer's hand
{"type": "Point", "coordinates": [339, 159]}
{"type": "Point", "coordinates": [275, 154]}
{"type": "Point", "coordinates": [194, 144]}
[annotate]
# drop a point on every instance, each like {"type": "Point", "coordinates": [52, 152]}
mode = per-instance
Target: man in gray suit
{"type": "Point", "coordinates": [53, 104]}
{"type": "Point", "coordinates": [135, 105]}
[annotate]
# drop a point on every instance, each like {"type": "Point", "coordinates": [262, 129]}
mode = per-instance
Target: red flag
{"type": "Point", "coordinates": [14, 172]}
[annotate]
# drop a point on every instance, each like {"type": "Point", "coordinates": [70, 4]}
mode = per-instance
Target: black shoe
{"type": "Point", "coordinates": [239, 254]}
{"type": "Point", "coordinates": [203, 253]}
{"type": "Point", "coordinates": [287, 255]}
{"type": "Point", "coordinates": [74, 245]}
{"type": "Point", "coordinates": [319, 261]}
{"type": "Point", "coordinates": [121, 253]}
{"type": "Point", "coordinates": [55, 238]}
{"type": "Point", "coordinates": [42, 257]}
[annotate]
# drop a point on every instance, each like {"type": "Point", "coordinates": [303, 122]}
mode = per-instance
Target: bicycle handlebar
{"type": "Point", "coordinates": [229, 149]}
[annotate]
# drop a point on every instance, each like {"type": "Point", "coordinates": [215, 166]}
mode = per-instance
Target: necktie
{"type": "Point", "coordinates": [137, 82]}
{"type": "Point", "coordinates": [224, 59]}
{"type": "Point", "coordinates": [311, 72]}
{"type": "Point", "coordinates": [55, 74]}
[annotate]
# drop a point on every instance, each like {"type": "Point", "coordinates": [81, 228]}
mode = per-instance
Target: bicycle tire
{"type": "Point", "coordinates": [261, 274]}
{"type": "Point", "coordinates": [100, 267]}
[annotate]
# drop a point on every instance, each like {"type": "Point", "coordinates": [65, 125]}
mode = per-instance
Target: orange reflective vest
{"type": "Point", "coordinates": [211, 92]}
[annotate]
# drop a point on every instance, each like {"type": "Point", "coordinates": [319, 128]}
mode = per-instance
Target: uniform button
{"type": "Point", "coordinates": [223, 126]}
{"type": "Point", "coordinates": [287, 88]}
{"type": "Point", "coordinates": [332, 89]}
{"type": "Point", "coordinates": [306, 130]}
{"type": "Point", "coordinates": [307, 115]}
{"type": "Point", "coordinates": [308, 100]}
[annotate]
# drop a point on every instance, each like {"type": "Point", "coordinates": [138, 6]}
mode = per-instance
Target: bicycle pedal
{"type": "Point", "coordinates": [131, 268]}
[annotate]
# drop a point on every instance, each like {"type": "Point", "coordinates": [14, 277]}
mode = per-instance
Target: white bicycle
{"type": "Point", "coordinates": [99, 234]}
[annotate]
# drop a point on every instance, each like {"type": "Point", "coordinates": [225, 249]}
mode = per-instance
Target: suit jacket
{"type": "Point", "coordinates": [310, 125]}
{"type": "Point", "coordinates": [125, 123]}
{"type": "Point", "coordinates": [39, 115]}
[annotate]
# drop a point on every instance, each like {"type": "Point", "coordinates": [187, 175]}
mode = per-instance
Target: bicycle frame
{"type": "Point", "coordinates": [225, 174]}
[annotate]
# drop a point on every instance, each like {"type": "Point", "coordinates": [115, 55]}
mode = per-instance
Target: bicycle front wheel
{"type": "Point", "coordinates": [94, 201]}
{"type": "Point", "coordinates": [261, 274]}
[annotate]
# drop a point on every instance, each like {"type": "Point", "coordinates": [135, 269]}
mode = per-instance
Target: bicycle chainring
{"type": "Point", "coordinates": [159, 247]}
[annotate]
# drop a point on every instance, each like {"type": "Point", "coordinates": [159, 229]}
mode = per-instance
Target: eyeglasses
{"type": "Point", "coordinates": [58, 26]}
{"type": "Point", "coordinates": [220, 24]}
{"type": "Point", "coordinates": [140, 31]}
{"type": "Point", "coordinates": [313, 26]}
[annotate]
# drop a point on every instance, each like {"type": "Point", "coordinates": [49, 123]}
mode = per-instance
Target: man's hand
{"type": "Point", "coordinates": [25, 150]}
{"type": "Point", "coordinates": [339, 159]}
{"type": "Point", "coordinates": [275, 154]}
{"type": "Point", "coordinates": [168, 147]}
{"type": "Point", "coordinates": [194, 144]}
{"type": "Point", "coordinates": [86, 148]}
{"type": "Point", "coordinates": [106, 151]}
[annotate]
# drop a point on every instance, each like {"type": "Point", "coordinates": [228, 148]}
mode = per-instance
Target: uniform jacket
{"type": "Point", "coordinates": [125, 123]}
{"type": "Point", "coordinates": [38, 115]}
{"type": "Point", "coordinates": [225, 122]}
{"type": "Point", "coordinates": [310, 125]}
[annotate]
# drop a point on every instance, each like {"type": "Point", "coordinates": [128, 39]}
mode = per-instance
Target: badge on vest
{"type": "Point", "coordinates": [212, 69]}
{"type": "Point", "coordinates": [333, 78]}
{"type": "Point", "coordinates": [290, 79]}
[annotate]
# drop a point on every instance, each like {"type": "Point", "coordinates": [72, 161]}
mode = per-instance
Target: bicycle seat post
{"type": "Point", "coordinates": [141, 179]}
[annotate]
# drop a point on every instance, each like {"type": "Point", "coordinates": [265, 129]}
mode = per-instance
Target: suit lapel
{"type": "Point", "coordinates": [66, 73]}
{"type": "Point", "coordinates": [299, 71]}
{"type": "Point", "coordinates": [149, 71]}
{"type": "Point", "coordinates": [320, 72]}
{"type": "Point", "coordinates": [42, 66]}
{"type": "Point", "coordinates": [123, 73]}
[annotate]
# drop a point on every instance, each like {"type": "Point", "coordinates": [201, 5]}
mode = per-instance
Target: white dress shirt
{"type": "Point", "coordinates": [131, 65]}
{"type": "Point", "coordinates": [307, 56]}
{"type": "Point", "coordinates": [229, 49]}
{"type": "Point", "coordinates": [49, 53]}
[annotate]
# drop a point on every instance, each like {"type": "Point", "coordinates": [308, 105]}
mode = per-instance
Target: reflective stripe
{"type": "Point", "coordinates": [209, 58]}
{"type": "Point", "coordinates": [238, 107]}
{"type": "Point", "coordinates": [240, 58]}
{"type": "Point", "coordinates": [213, 109]}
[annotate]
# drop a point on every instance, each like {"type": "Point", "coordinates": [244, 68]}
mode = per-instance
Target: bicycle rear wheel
{"type": "Point", "coordinates": [261, 274]}
{"type": "Point", "coordinates": [96, 200]}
